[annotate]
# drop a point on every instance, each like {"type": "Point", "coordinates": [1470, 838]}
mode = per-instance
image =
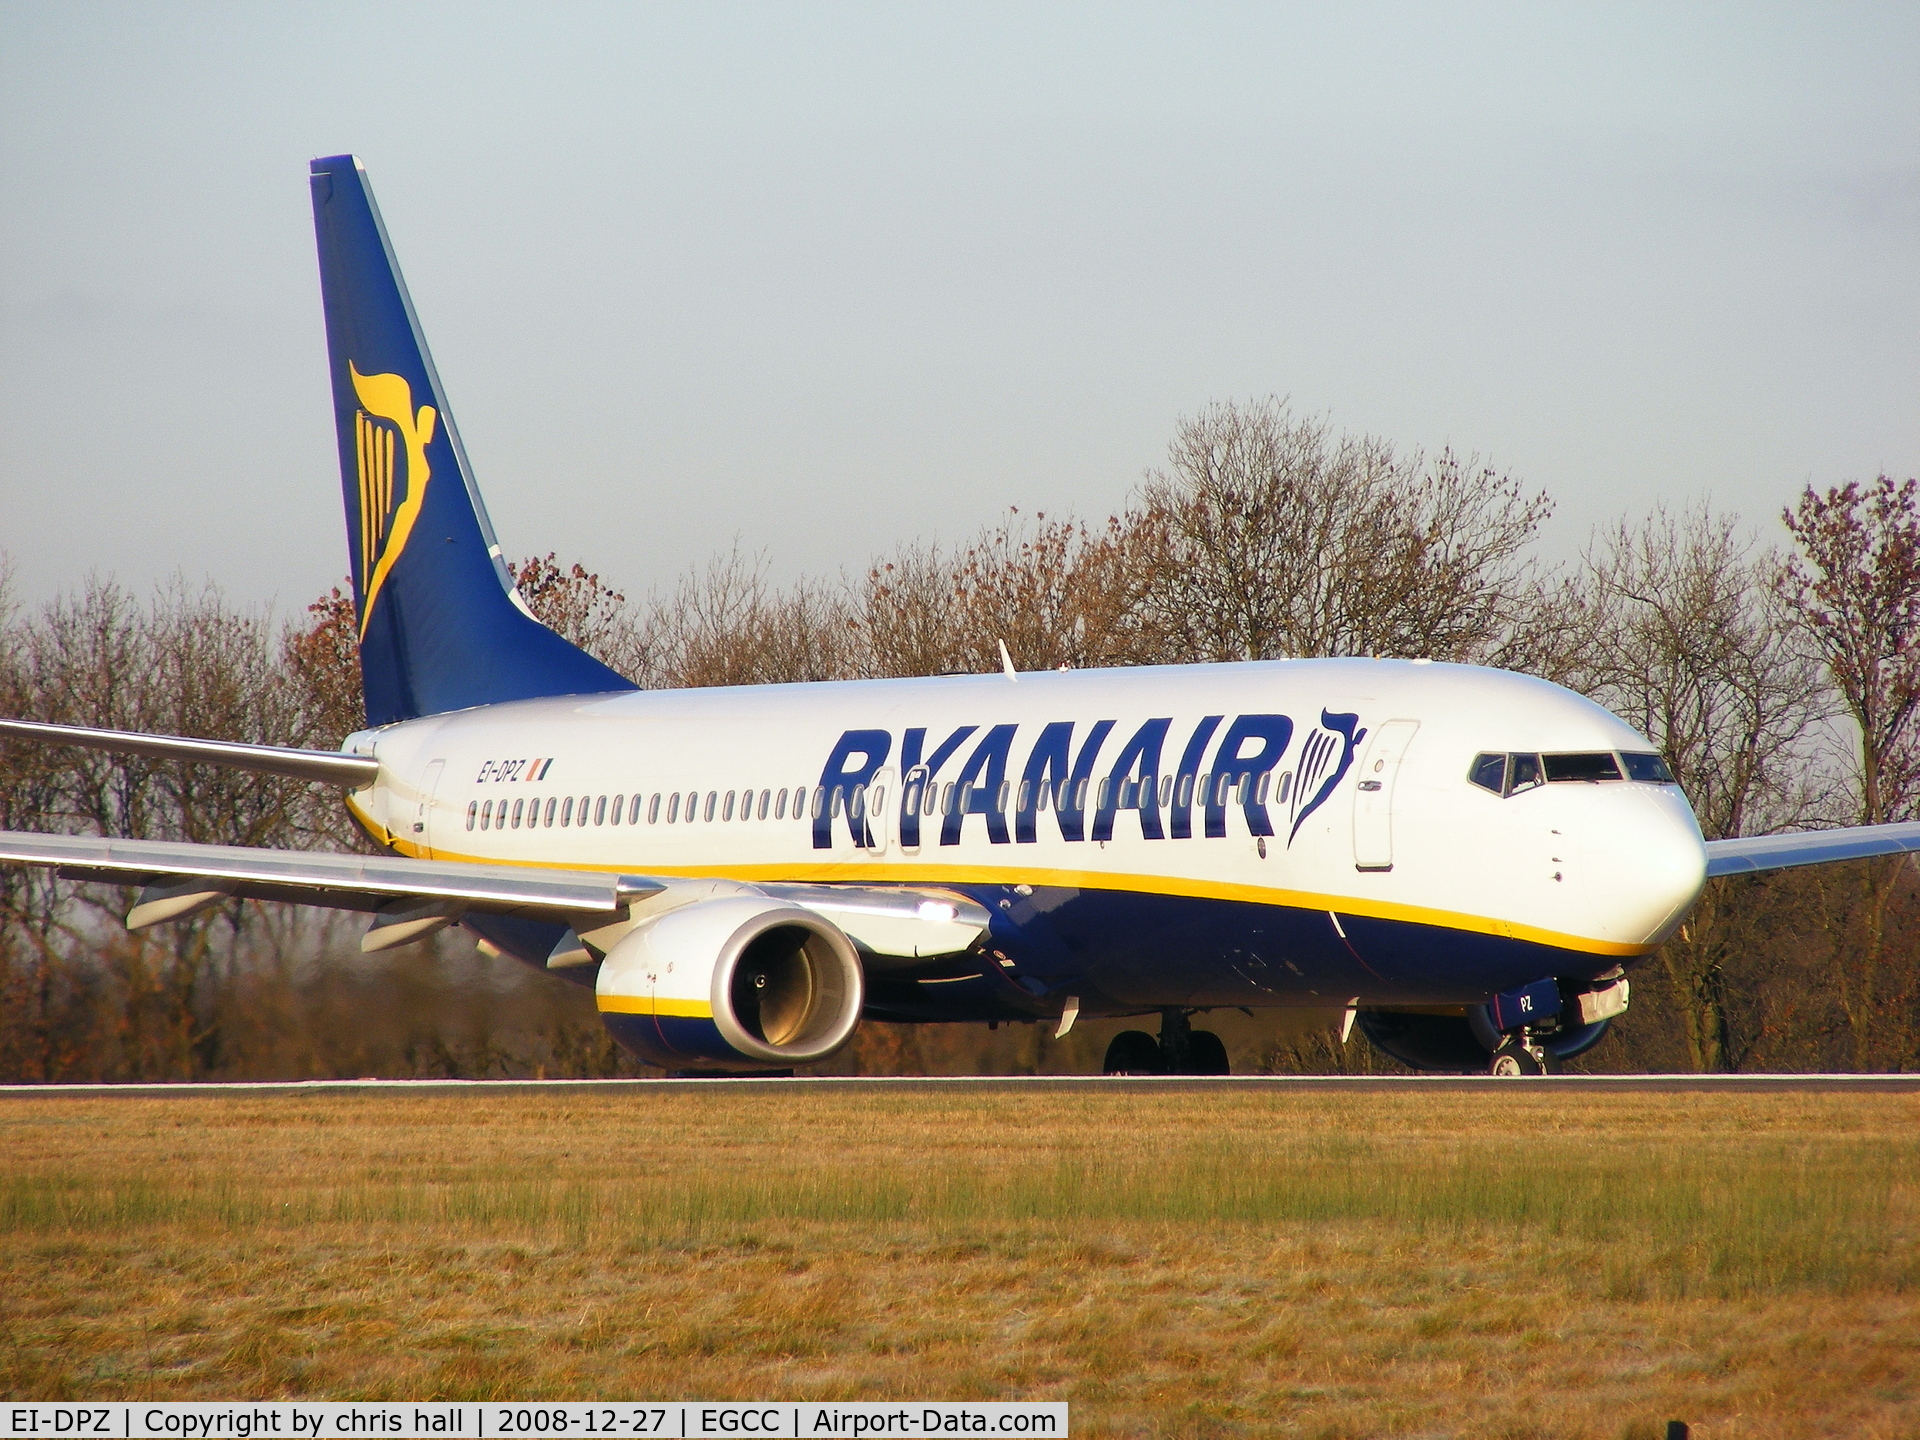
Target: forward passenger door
{"type": "Point", "coordinates": [1373, 795]}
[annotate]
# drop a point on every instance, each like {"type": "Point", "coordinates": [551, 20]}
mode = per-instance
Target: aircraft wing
{"type": "Point", "coordinates": [331, 767]}
{"type": "Point", "coordinates": [410, 897]}
{"type": "Point", "coordinates": [177, 875]}
{"type": "Point", "coordinates": [1754, 853]}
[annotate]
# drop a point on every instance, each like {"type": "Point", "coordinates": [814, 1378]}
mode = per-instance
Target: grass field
{"type": "Point", "coordinates": [1504, 1265]}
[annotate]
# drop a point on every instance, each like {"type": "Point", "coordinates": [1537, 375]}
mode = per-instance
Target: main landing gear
{"type": "Point", "coordinates": [1180, 1050]}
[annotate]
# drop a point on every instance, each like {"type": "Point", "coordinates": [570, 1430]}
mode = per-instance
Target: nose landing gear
{"type": "Point", "coordinates": [1180, 1050]}
{"type": "Point", "coordinates": [1518, 1055]}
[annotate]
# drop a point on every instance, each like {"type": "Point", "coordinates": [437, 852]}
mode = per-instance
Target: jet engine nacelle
{"type": "Point", "coordinates": [737, 982]}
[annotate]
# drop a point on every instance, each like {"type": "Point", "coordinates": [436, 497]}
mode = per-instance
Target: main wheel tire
{"type": "Point", "coordinates": [1513, 1060]}
{"type": "Point", "coordinates": [1206, 1054]}
{"type": "Point", "coordinates": [1134, 1052]}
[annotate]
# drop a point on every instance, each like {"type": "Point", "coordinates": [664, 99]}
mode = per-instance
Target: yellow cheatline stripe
{"type": "Point", "coordinates": [647, 1005]}
{"type": "Point", "coordinates": [868, 872]}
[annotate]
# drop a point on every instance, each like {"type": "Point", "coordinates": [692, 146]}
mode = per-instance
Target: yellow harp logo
{"type": "Point", "coordinates": [390, 496]}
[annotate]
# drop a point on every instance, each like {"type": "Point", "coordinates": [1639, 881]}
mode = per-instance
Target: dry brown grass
{"type": "Point", "coordinates": [1525, 1264]}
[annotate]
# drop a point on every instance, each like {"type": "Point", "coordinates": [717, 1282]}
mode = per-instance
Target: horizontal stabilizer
{"type": "Point", "coordinates": [1752, 853]}
{"type": "Point", "coordinates": [330, 767]}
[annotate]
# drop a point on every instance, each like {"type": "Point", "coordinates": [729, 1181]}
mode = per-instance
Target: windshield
{"type": "Point", "coordinates": [1511, 772]}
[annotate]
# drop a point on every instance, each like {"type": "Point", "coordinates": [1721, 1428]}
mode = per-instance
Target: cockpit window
{"type": "Point", "coordinates": [1509, 774]}
{"type": "Point", "coordinates": [1649, 768]}
{"type": "Point", "coordinates": [1589, 766]}
{"type": "Point", "coordinates": [1523, 773]}
{"type": "Point", "coordinates": [1489, 772]}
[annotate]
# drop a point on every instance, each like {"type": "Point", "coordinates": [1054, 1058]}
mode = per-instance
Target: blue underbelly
{"type": "Point", "coordinates": [1126, 949]}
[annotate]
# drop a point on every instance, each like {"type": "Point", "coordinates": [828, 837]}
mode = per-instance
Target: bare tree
{"type": "Point", "coordinates": [184, 663]}
{"type": "Point", "coordinates": [1056, 592]}
{"type": "Point", "coordinates": [574, 603]}
{"type": "Point", "coordinates": [1855, 585]}
{"type": "Point", "coordinates": [726, 624]}
{"type": "Point", "coordinates": [1270, 536]}
{"type": "Point", "coordinates": [1686, 639]}
{"type": "Point", "coordinates": [909, 615]}
{"type": "Point", "coordinates": [323, 661]}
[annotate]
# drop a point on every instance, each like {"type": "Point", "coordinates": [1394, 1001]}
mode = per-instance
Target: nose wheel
{"type": "Point", "coordinates": [1518, 1056]}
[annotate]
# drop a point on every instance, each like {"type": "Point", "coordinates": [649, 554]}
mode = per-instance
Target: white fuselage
{"type": "Point", "coordinates": [1601, 870]}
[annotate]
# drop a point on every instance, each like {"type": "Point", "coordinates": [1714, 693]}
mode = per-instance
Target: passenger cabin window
{"type": "Point", "coordinates": [1590, 767]}
{"type": "Point", "coordinates": [1648, 768]}
{"type": "Point", "coordinates": [473, 813]}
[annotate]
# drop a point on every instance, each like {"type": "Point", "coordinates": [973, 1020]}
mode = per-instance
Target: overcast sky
{"type": "Point", "coordinates": [828, 277]}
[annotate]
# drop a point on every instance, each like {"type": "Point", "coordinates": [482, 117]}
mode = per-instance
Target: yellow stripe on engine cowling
{"type": "Point", "coordinates": [648, 1005]}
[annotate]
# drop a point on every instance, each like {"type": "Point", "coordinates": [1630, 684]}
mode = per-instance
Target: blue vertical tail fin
{"type": "Point", "coordinates": [441, 627]}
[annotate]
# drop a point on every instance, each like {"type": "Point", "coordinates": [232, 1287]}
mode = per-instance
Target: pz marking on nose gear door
{"type": "Point", "coordinates": [1373, 796]}
{"type": "Point", "coordinates": [423, 815]}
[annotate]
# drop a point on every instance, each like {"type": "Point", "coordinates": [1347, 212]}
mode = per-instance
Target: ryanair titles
{"type": "Point", "coordinates": [1060, 778]}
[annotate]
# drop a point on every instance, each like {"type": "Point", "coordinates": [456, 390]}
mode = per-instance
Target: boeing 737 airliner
{"type": "Point", "coordinates": [1468, 862]}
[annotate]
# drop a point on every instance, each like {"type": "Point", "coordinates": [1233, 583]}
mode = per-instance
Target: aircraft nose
{"type": "Point", "coordinates": [1655, 867]}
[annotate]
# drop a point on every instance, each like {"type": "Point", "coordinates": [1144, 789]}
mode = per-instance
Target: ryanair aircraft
{"type": "Point", "coordinates": [1468, 862]}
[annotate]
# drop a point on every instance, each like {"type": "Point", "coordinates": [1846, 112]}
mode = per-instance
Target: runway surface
{"type": "Point", "coordinates": [1279, 1084]}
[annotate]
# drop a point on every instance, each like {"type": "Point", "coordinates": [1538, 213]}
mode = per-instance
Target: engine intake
{"type": "Point", "coordinates": [744, 980]}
